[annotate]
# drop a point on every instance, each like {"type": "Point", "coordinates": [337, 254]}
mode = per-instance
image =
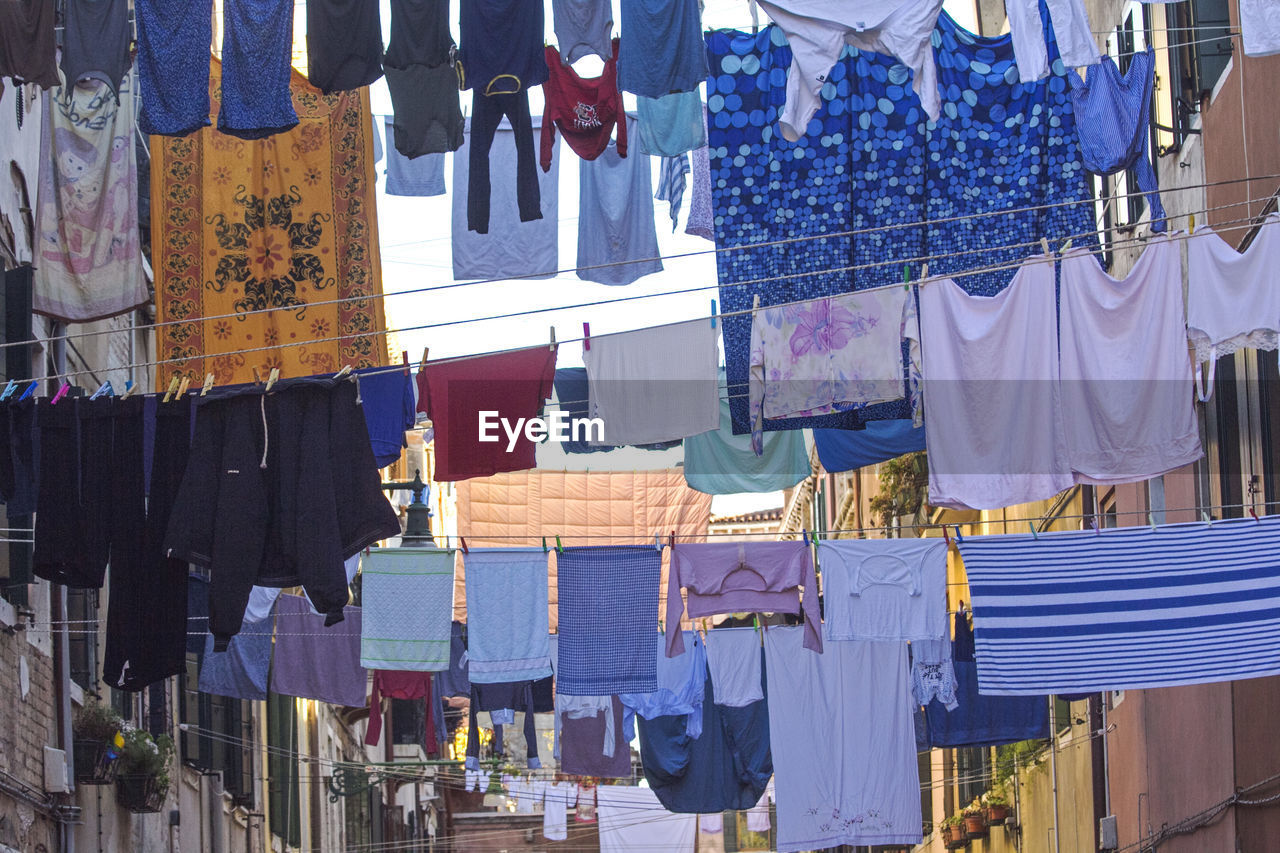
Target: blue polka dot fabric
{"type": "Point", "coordinates": [871, 160]}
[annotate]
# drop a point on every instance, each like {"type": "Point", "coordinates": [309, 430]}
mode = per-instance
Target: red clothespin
{"type": "Point", "coordinates": [1252, 511]}
{"type": "Point", "coordinates": [66, 386]}
{"type": "Point", "coordinates": [404, 359]}
{"type": "Point", "coordinates": [946, 537]}
{"type": "Point", "coordinates": [586, 336]}
{"type": "Point", "coordinates": [462, 540]}
{"type": "Point", "coordinates": [672, 540]}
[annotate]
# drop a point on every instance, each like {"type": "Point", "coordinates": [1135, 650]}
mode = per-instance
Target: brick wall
{"type": "Point", "coordinates": [27, 725]}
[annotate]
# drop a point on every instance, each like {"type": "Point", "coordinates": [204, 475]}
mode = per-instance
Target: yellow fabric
{"type": "Point", "coordinates": [242, 225]}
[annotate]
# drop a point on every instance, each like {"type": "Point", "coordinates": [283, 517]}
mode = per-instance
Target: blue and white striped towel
{"type": "Point", "coordinates": [1126, 609]}
{"type": "Point", "coordinates": [507, 630]}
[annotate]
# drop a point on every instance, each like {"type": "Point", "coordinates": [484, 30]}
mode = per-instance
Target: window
{"type": "Point", "coordinates": [282, 769]}
{"type": "Point", "coordinates": [408, 721]}
{"type": "Point", "coordinates": [1269, 397]}
{"type": "Point", "coordinates": [1223, 433]}
{"type": "Point", "coordinates": [973, 773]}
{"type": "Point", "coordinates": [220, 734]}
{"type": "Point", "coordinates": [82, 616]}
{"type": "Point", "coordinates": [1200, 49]}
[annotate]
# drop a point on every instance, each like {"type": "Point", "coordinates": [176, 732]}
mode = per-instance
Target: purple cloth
{"type": "Point", "coordinates": [315, 662]}
{"type": "Point", "coordinates": [743, 577]}
{"type": "Point", "coordinates": [581, 746]}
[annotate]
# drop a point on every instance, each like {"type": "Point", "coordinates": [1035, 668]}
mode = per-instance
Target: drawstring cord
{"type": "Point", "coordinates": [266, 437]}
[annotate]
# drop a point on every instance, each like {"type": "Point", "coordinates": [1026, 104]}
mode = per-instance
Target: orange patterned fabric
{"type": "Point", "coordinates": [278, 223]}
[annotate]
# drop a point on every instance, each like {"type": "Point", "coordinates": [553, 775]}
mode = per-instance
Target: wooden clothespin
{"type": "Point", "coordinates": [1044, 247]}
{"type": "Point", "coordinates": [404, 359]}
{"type": "Point", "coordinates": [182, 386]}
{"type": "Point", "coordinates": [173, 387]}
{"type": "Point", "coordinates": [8, 389]}
{"type": "Point", "coordinates": [207, 386]}
{"type": "Point", "coordinates": [553, 339]}
{"type": "Point", "coordinates": [257, 378]}
{"type": "Point", "coordinates": [422, 364]}
{"type": "Point", "coordinates": [924, 272]}
{"type": "Point", "coordinates": [273, 377]}
{"type": "Point", "coordinates": [713, 313]}
{"type": "Point", "coordinates": [586, 337]}
{"type": "Point", "coordinates": [1191, 223]}
{"type": "Point", "coordinates": [755, 302]}
{"type": "Point", "coordinates": [66, 386]}
{"type": "Point", "coordinates": [129, 388]}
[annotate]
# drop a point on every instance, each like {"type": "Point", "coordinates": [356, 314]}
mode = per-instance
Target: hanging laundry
{"type": "Point", "coordinates": [1260, 27]}
{"type": "Point", "coordinates": [583, 28]}
{"type": "Point", "coordinates": [572, 395]}
{"type": "Point", "coordinates": [711, 824]}
{"type": "Point", "coordinates": [404, 685]}
{"type": "Point", "coordinates": [884, 589]}
{"type": "Point", "coordinates": [241, 671]}
{"type": "Point", "coordinates": [72, 530]}
{"type": "Point", "coordinates": [1126, 377]}
{"type": "Point", "coordinates": [422, 79]}
{"type": "Point", "coordinates": [982, 719]}
{"type": "Point", "coordinates": [1130, 608]}
{"type": "Point", "coordinates": [501, 47]}
{"type": "Point", "coordinates": [256, 53]}
{"type": "Point", "coordinates": [21, 142]}
{"type": "Point", "coordinates": [344, 44]}
{"type": "Point", "coordinates": [507, 154]}
{"type": "Point", "coordinates": [556, 799]}
{"type": "Point", "coordinates": [457, 393]}
{"type": "Point", "coordinates": [885, 182]}
{"type": "Point", "coordinates": [454, 681]}
{"type": "Point", "coordinates": [315, 661]}
{"type": "Point", "coordinates": [88, 259]}
{"type": "Point", "coordinates": [279, 491]}
{"type": "Point", "coordinates": [322, 230]}
{"type": "Point", "coordinates": [726, 767]}
{"type": "Point", "coordinates": [933, 674]}
{"type": "Point", "coordinates": [819, 30]}
{"type": "Point", "coordinates": [583, 739]}
{"type": "Point", "coordinates": [419, 176]}
{"type": "Point", "coordinates": [22, 454]}
{"type": "Point", "coordinates": [607, 600]}
{"type": "Point", "coordinates": [1030, 33]}
{"type": "Point", "coordinates": [742, 577]}
{"type": "Point", "coordinates": [701, 222]}
{"type": "Point", "coordinates": [198, 613]}
{"type": "Point", "coordinates": [585, 110]}
{"type": "Point", "coordinates": [95, 42]}
{"type": "Point", "coordinates": [721, 463]}
{"type": "Point", "coordinates": [386, 396]}
{"type": "Point", "coordinates": [1230, 301]}
{"type": "Point", "coordinates": [680, 685]}
{"type": "Point", "coordinates": [28, 52]}
{"type": "Point", "coordinates": [758, 815]}
{"type": "Point", "coordinates": [617, 237]}
{"type": "Point", "coordinates": [507, 629]}
{"type": "Point", "coordinates": [662, 48]}
{"type": "Point", "coordinates": [993, 413]}
{"type": "Point", "coordinates": [733, 661]}
{"type": "Point", "coordinates": [1115, 124]}
{"type": "Point", "coordinates": [173, 65]}
{"type": "Point", "coordinates": [671, 125]}
{"type": "Point", "coordinates": [409, 593]}
{"type": "Point", "coordinates": [655, 384]}
{"type": "Point", "coordinates": [585, 812]}
{"type": "Point", "coordinates": [147, 608]}
{"type": "Point", "coordinates": [262, 599]}
{"type": "Point", "coordinates": [826, 796]}
{"type": "Point", "coordinates": [529, 794]}
{"type": "Point", "coordinates": [582, 707]}
{"type": "Point", "coordinates": [671, 181]}
{"type": "Point", "coordinates": [632, 820]}
{"type": "Point", "coordinates": [827, 355]}
{"type": "Point", "coordinates": [376, 136]}
{"type": "Point", "coordinates": [879, 441]}
{"type": "Point", "coordinates": [517, 696]}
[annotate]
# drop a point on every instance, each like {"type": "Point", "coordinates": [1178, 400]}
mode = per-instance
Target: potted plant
{"type": "Point", "coordinates": [96, 743]}
{"type": "Point", "coordinates": [953, 832]}
{"type": "Point", "coordinates": [142, 780]}
{"type": "Point", "coordinates": [997, 807]}
{"type": "Point", "coordinates": [975, 822]}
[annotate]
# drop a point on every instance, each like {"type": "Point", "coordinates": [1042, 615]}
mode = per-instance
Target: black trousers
{"type": "Point", "coordinates": [486, 113]}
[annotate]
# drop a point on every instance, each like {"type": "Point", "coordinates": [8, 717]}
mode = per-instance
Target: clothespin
{"type": "Point", "coordinates": [182, 386]}
{"type": "Point", "coordinates": [924, 272]}
{"type": "Point", "coordinates": [906, 276]}
{"type": "Point", "coordinates": [1034, 533]}
{"type": "Point", "coordinates": [207, 386]}
{"type": "Point", "coordinates": [1044, 247]}
{"type": "Point", "coordinates": [1191, 223]}
{"type": "Point", "coordinates": [462, 541]}
{"type": "Point", "coordinates": [959, 538]}
{"type": "Point", "coordinates": [31, 389]}
{"type": "Point", "coordinates": [129, 388]}
{"type": "Point", "coordinates": [806, 536]}
{"type": "Point", "coordinates": [544, 544]}
{"type": "Point", "coordinates": [173, 388]}
{"type": "Point", "coordinates": [422, 364]}
{"type": "Point", "coordinates": [1253, 512]}
{"type": "Point", "coordinates": [1151, 519]}
{"type": "Point", "coordinates": [586, 337]}
{"type": "Point", "coordinates": [273, 377]}
{"type": "Point", "coordinates": [713, 313]}
{"type": "Point", "coordinates": [1204, 516]}
{"type": "Point", "coordinates": [657, 542]}
{"type": "Point", "coordinates": [8, 389]}
{"type": "Point", "coordinates": [946, 537]}
{"type": "Point", "coordinates": [559, 547]}
{"type": "Point", "coordinates": [66, 386]}
{"type": "Point", "coordinates": [672, 540]}
{"type": "Point", "coordinates": [346, 369]}
{"type": "Point", "coordinates": [404, 359]}
{"type": "Point", "coordinates": [1065, 247]}
{"type": "Point", "coordinates": [755, 302]}
{"type": "Point", "coordinates": [104, 388]}
{"type": "Point", "coordinates": [553, 339]}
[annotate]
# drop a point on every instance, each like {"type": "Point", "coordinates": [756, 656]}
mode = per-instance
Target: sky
{"type": "Point", "coordinates": [415, 244]}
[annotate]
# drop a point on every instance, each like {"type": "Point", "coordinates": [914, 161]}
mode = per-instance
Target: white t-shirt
{"type": "Point", "coordinates": [1127, 389]}
{"type": "Point", "coordinates": [1260, 27]}
{"type": "Point", "coordinates": [884, 589]}
{"type": "Point", "coordinates": [989, 376]}
{"type": "Point", "coordinates": [844, 743]}
{"type": "Point", "coordinates": [758, 815]}
{"type": "Point", "coordinates": [556, 799]}
{"type": "Point", "coordinates": [1071, 30]}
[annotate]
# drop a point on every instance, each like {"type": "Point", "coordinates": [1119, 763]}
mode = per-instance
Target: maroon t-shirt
{"type": "Point", "coordinates": [453, 393]}
{"type": "Point", "coordinates": [585, 111]}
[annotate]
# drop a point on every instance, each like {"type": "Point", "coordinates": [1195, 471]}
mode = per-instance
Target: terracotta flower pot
{"type": "Point", "coordinates": [997, 815]}
{"type": "Point", "coordinates": [975, 825]}
{"type": "Point", "coordinates": [954, 836]}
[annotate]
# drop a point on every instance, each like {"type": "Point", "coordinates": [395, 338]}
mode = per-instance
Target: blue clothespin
{"type": "Point", "coordinates": [713, 313]}
{"type": "Point", "coordinates": [959, 538]}
{"type": "Point", "coordinates": [806, 536]}
{"type": "Point", "coordinates": [105, 388]}
{"type": "Point", "coordinates": [31, 389]}
{"type": "Point", "coordinates": [1034, 534]}
{"type": "Point", "coordinates": [8, 389]}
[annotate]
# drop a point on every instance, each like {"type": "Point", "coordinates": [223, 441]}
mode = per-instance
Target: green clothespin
{"type": "Point", "coordinates": [906, 276]}
{"type": "Point", "coordinates": [559, 547]}
{"type": "Point", "coordinates": [1034, 533]}
{"type": "Point", "coordinates": [544, 544]}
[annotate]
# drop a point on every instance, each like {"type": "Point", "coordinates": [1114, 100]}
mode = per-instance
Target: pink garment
{"type": "Point", "coordinates": [400, 684]}
{"type": "Point", "coordinates": [742, 577]}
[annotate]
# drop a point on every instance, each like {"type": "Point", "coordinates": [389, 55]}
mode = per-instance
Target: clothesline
{"type": "Point", "coordinates": [1230, 225]}
{"type": "Point", "coordinates": [677, 256]}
